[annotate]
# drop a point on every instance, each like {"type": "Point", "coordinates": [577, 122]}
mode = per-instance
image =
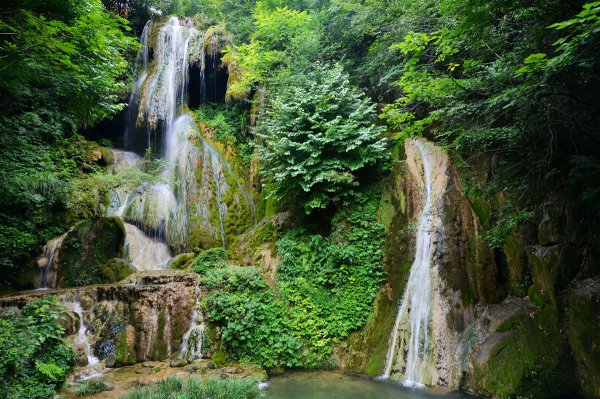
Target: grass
{"type": "Point", "coordinates": [90, 387]}
{"type": "Point", "coordinates": [198, 388]}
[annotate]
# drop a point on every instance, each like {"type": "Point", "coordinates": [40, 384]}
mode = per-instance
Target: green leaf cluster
{"type": "Point", "coordinates": [34, 358]}
{"type": "Point", "coordinates": [209, 259]}
{"type": "Point", "coordinates": [319, 137]}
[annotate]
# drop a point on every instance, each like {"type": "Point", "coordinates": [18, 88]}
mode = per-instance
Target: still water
{"type": "Point", "coordinates": [332, 385]}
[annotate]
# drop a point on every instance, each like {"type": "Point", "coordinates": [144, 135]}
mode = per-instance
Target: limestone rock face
{"type": "Point", "coordinates": [141, 319]}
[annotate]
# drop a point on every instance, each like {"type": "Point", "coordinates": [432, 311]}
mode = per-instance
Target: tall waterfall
{"type": "Point", "coordinates": [163, 209]}
{"type": "Point", "coordinates": [173, 181]}
{"type": "Point", "coordinates": [412, 327]}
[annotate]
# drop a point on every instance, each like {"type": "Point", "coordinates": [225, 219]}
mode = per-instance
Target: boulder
{"type": "Point", "coordinates": [88, 251]}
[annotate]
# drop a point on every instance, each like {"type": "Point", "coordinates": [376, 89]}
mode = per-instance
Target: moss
{"type": "Point", "coordinates": [510, 324]}
{"type": "Point", "coordinates": [584, 336]}
{"type": "Point", "coordinates": [182, 261]}
{"type": "Point", "coordinates": [87, 247]}
{"type": "Point", "coordinates": [220, 358]}
{"type": "Point", "coordinates": [516, 259]}
{"type": "Point", "coordinates": [126, 355]}
{"type": "Point", "coordinates": [116, 270]}
{"type": "Point", "coordinates": [159, 350]}
{"type": "Point", "coordinates": [107, 155]}
{"type": "Point", "coordinates": [530, 362]}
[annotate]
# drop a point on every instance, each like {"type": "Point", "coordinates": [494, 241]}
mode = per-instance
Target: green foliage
{"type": "Point", "coordinates": [467, 82]}
{"type": "Point", "coordinates": [62, 65]}
{"type": "Point", "coordinates": [229, 124]}
{"type": "Point", "coordinates": [282, 37]}
{"type": "Point", "coordinates": [326, 289]}
{"type": "Point", "coordinates": [209, 259]}
{"type": "Point", "coordinates": [507, 221]}
{"type": "Point", "coordinates": [319, 137]}
{"type": "Point", "coordinates": [34, 359]}
{"type": "Point", "coordinates": [90, 387]}
{"type": "Point", "coordinates": [198, 388]}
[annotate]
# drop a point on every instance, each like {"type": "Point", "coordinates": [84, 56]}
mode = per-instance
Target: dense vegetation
{"type": "Point", "coordinates": [319, 93]}
{"type": "Point", "coordinates": [325, 290]}
{"type": "Point", "coordinates": [61, 67]}
{"type": "Point", "coordinates": [34, 359]}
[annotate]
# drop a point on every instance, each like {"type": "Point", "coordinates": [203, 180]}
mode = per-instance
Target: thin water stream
{"type": "Point", "coordinates": [410, 336]}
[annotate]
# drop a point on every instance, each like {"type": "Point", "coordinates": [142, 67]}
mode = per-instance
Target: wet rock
{"type": "Point", "coordinates": [231, 370]}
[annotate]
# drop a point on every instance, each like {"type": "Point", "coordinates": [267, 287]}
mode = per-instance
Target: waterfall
{"type": "Point", "coordinates": [143, 252]}
{"type": "Point", "coordinates": [48, 260]}
{"type": "Point", "coordinates": [141, 72]}
{"type": "Point", "coordinates": [191, 345]}
{"type": "Point", "coordinates": [158, 211]}
{"type": "Point", "coordinates": [414, 313]}
{"type": "Point", "coordinates": [82, 338]}
{"type": "Point", "coordinates": [202, 69]}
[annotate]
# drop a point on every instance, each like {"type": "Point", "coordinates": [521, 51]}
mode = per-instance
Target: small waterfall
{"type": "Point", "coordinates": [412, 322]}
{"type": "Point", "coordinates": [191, 345]}
{"type": "Point", "coordinates": [202, 69]}
{"type": "Point", "coordinates": [82, 337]}
{"type": "Point", "coordinates": [143, 252]}
{"type": "Point", "coordinates": [140, 63]}
{"type": "Point", "coordinates": [124, 159]}
{"type": "Point", "coordinates": [50, 255]}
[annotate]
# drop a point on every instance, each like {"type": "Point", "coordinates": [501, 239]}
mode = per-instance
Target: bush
{"type": "Point", "coordinates": [34, 359]}
{"type": "Point", "coordinates": [319, 137]}
{"type": "Point", "coordinates": [209, 259]}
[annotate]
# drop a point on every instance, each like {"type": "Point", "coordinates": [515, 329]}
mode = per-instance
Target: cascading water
{"type": "Point", "coordinates": [187, 178]}
{"type": "Point", "coordinates": [84, 342]}
{"type": "Point", "coordinates": [163, 209]}
{"type": "Point", "coordinates": [191, 345]}
{"type": "Point", "coordinates": [50, 253]}
{"type": "Point", "coordinates": [411, 331]}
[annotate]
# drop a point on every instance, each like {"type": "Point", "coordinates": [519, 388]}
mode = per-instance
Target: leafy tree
{"type": "Point", "coordinates": [319, 137]}
{"type": "Point", "coordinates": [62, 66]}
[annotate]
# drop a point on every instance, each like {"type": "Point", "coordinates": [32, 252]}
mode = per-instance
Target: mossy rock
{"type": "Point", "coordinates": [115, 270]}
{"type": "Point", "coordinates": [182, 261]}
{"type": "Point", "coordinates": [126, 354]}
{"type": "Point", "coordinates": [107, 155]}
{"type": "Point", "coordinates": [89, 246]}
{"type": "Point", "coordinates": [219, 358]}
{"type": "Point", "coordinates": [529, 361]}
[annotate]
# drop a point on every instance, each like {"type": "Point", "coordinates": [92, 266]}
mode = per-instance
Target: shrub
{"type": "Point", "coordinates": [327, 286]}
{"type": "Point", "coordinates": [34, 359]}
{"type": "Point", "coordinates": [209, 259]}
{"type": "Point", "coordinates": [319, 136]}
